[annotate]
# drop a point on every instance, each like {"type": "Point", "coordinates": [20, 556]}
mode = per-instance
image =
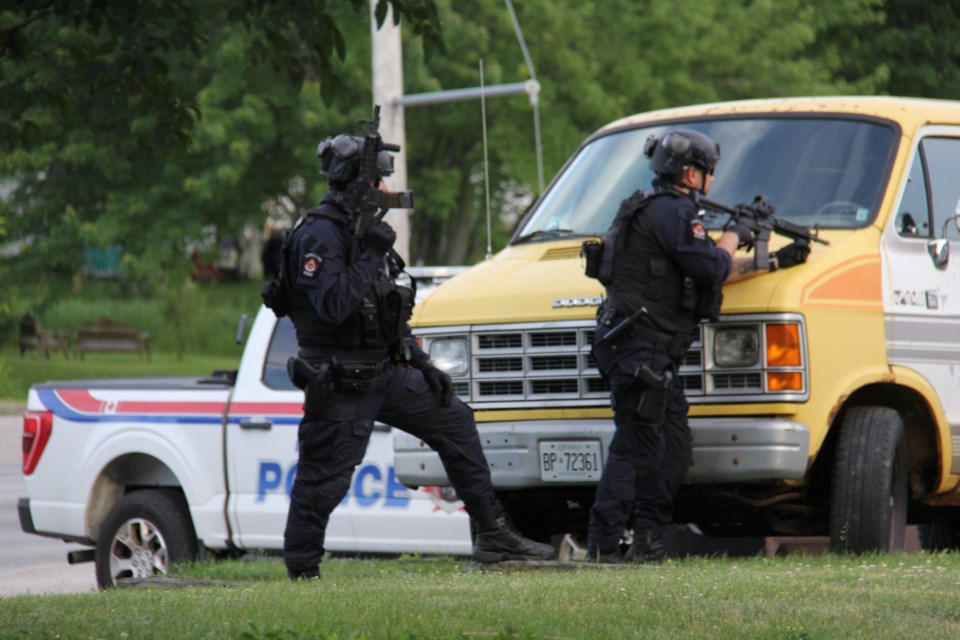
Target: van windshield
{"type": "Point", "coordinates": [816, 171]}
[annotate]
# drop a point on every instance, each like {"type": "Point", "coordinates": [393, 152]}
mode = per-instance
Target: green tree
{"type": "Point", "coordinates": [103, 127]}
{"type": "Point", "coordinates": [141, 123]}
{"type": "Point", "coordinates": [914, 46]}
{"type": "Point", "coordinates": [595, 62]}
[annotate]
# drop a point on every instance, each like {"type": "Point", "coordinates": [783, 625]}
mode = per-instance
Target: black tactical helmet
{"type": "Point", "coordinates": [340, 160]}
{"type": "Point", "coordinates": [679, 148]}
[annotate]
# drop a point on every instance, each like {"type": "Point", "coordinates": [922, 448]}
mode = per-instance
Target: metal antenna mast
{"type": "Point", "coordinates": [534, 96]}
{"type": "Point", "coordinates": [486, 163]}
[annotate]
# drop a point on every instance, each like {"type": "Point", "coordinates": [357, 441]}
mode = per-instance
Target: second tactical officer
{"type": "Point", "coordinates": [358, 363]}
{"type": "Point", "coordinates": [664, 274]}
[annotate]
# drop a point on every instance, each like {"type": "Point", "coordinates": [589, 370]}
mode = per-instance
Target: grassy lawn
{"type": "Point", "coordinates": [20, 372]}
{"type": "Point", "coordinates": [795, 598]}
{"type": "Point", "coordinates": [194, 341]}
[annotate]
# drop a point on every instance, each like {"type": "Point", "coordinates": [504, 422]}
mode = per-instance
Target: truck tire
{"type": "Point", "coordinates": [144, 533]}
{"type": "Point", "coordinates": [868, 505]}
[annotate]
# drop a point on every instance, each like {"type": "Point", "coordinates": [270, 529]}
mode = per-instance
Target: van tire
{"type": "Point", "coordinates": [144, 533]}
{"type": "Point", "coordinates": [868, 506]}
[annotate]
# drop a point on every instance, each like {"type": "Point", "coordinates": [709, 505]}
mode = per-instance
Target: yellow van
{"type": "Point", "coordinates": [825, 400]}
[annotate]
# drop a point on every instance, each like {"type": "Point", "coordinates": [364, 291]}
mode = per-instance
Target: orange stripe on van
{"type": "Point", "coordinates": [854, 284]}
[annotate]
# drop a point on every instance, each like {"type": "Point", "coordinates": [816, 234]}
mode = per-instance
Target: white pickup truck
{"type": "Point", "coordinates": [155, 470]}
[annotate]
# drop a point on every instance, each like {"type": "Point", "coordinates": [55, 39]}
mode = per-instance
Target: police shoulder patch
{"type": "Point", "coordinates": [311, 264]}
{"type": "Point", "coordinates": [697, 230]}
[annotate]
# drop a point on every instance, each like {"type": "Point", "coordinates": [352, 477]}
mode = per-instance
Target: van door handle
{"type": "Point", "coordinates": [265, 425]}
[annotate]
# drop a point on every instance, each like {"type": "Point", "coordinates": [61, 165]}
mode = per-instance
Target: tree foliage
{"type": "Point", "coordinates": [595, 62]}
{"type": "Point", "coordinates": [141, 123]}
{"type": "Point", "coordinates": [914, 46]}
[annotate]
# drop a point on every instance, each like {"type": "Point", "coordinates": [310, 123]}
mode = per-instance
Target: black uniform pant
{"type": "Point", "coordinates": [645, 465]}
{"type": "Point", "coordinates": [334, 441]}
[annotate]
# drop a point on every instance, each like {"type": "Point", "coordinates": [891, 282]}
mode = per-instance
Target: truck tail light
{"type": "Point", "coordinates": [37, 426]}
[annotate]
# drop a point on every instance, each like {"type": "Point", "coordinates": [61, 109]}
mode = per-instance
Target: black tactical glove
{"type": "Point", "coordinates": [791, 255]}
{"type": "Point", "coordinates": [439, 381]}
{"type": "Point", "coordinates": [742, 229]}
{"type": "Point", "coordinates": [380, 237]}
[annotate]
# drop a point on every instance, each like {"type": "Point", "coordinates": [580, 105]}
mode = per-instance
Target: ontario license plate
{"type": "Point", "coordinates": [570, 460]}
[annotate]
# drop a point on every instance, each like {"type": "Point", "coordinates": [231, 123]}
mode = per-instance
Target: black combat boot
{"type": "Point", "coordinates": [647, 546]}
{"type": "Point", "coordinates": [595, 556]}
{"type": "Point", "coordinates": [303, 576]}
{"type": "Point", "coordinates": [498, 540]}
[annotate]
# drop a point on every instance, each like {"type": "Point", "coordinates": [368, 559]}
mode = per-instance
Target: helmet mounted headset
{"type": "Point", "coordinates": [340, 160]}
{"type": "Point", "coordinates": [681, 148]}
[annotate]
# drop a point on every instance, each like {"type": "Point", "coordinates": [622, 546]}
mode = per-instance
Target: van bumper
{"type": "Point", "coordinates": [725, 450]}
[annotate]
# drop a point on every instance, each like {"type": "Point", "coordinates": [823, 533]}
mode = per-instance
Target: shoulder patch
{"type": "Point", "coordinates": [311, 264]}
{"type": "Point", "coordinates": [697, 230]}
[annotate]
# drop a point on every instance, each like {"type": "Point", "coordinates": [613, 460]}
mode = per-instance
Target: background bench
{"type": "Point", "coordinates": [33, 336]}
{"type": "Point", "coordinates": [109, 335]}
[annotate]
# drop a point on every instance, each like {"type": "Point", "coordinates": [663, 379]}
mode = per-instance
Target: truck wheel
{"type": "Point", "coordinates": [143, 534]}
{"type": "Point", "coordinates": [868, 506]}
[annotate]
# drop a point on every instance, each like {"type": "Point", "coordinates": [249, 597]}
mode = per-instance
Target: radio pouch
{"type": "Point", "coordinates": [592, 251]}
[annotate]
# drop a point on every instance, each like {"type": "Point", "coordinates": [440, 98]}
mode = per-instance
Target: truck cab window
{"type": "Point", "coordinates": [913, 217]}
{"type": "Point", "coordinates": [942, 157]}
{"type": "Point", "coordinates": [282, 346]}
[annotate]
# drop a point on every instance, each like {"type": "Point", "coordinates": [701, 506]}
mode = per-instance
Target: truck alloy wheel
{"type": "Point", "coordinates": [868, 506]}
{"type": "Point", "coordinates": [142, 535]}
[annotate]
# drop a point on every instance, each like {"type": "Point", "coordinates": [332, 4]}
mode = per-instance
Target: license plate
{"type": "Point", "coordinates": [570, 460]}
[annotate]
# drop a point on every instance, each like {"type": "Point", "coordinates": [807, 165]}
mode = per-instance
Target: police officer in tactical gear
{"type": "Point", "coordinates": [358, 363]}
{"type": "Point", "coordinates": [665, 276]}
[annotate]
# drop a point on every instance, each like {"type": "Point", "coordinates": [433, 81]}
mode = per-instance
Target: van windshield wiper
{"type": "Point", "coordinates": [540, 234]}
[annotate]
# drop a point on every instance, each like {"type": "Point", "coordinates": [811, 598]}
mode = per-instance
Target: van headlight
{"type": "Point", "coordinates": [736, 347]}
{"type": "Point", "coordinates": [450, 355]}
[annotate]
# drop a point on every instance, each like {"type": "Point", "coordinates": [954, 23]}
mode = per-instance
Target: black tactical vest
{"type": "Point", "coordinates": [644, 273]}
{"type": "Point", "coordinates": [379, 320]}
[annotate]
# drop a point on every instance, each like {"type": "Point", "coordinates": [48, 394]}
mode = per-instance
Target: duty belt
{"type": "Point", "coordinates": [673, 345]}
{"type": "Point", "coordinates": [343, 355]}
{"type": "Point", "coordinates": [351, 369]}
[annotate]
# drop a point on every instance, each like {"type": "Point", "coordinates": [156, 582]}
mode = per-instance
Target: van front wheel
{"type": "Point", "coordinates": [868, 506]}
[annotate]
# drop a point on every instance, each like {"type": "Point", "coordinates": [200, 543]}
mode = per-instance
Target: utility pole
{"type": "Point", "coordinates": [387, 92]}
{"type": "Point", "coordinates": [387, 59]}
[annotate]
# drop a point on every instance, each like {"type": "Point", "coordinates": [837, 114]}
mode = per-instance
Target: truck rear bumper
{"type": "Point", "coordinates": [26, 518]}
{"type": "Point", "coordinates": [27, 525]}
{"type": "Point", "coordinates": [725, 450]}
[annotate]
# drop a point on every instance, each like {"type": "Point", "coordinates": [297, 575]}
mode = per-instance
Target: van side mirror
{"type": "Point", "coordinates": [939, 248]}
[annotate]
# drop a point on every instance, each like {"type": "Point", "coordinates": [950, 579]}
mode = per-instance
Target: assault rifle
{"type": "Point", "coordinates": [362, 196]}
{"type": "Point", "coordinates": [759, 216]}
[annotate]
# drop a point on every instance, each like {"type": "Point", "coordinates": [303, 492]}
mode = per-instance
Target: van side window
{"type": "Point", "coordinates": [283, 344]}
{"type": "Point", "coordinates": [943, 170]}
{"type": "Point", "coordinates": [913, 218]}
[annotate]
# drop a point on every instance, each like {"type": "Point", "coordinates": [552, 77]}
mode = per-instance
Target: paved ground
{"type": "Point", "coordinates": [29, 564]}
